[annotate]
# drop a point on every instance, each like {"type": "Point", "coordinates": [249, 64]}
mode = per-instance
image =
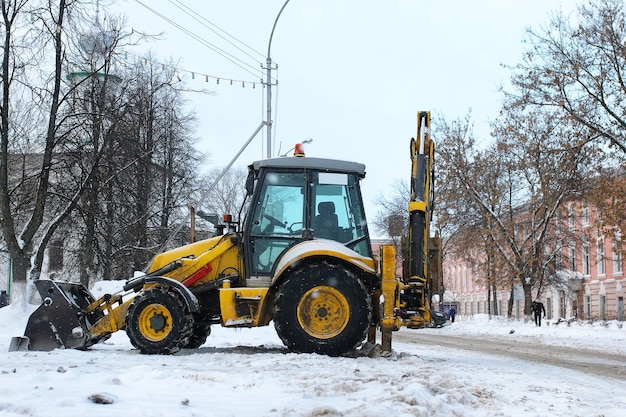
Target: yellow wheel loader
{"type": "Point", "coordinates": [301, 258]}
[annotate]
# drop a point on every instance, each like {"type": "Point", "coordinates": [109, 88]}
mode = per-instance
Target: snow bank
{"type": "Point", "coordinates": [609, 336]}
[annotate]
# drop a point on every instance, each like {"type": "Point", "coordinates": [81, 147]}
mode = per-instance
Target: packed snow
{"type": "Point", "coordinates": [248, 372]}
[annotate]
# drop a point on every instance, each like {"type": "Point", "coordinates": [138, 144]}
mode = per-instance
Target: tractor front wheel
{"type": "Point", "coordinates": [322, 308]}
{"type": "Point", "coordinates": [159, 322]}
{"type": "Point", "coordinates": [201, 332]}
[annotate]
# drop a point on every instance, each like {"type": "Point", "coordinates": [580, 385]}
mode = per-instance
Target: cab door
{"type": "Point", "coordinates": [277, 219]}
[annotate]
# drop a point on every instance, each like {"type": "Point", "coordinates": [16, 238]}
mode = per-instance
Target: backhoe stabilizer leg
{"type": "Point", "coordinates": [385, 343]}
{"type": "Point", "coordinates": [388, 298]}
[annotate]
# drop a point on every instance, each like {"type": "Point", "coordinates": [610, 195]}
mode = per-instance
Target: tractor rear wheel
{"type": "Point", "coordinates": [159, 322]}
{"type": "Point", "coordinates": [322, 308]}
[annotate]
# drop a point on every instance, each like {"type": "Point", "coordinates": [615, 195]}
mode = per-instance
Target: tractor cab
{"type": "Point", "coordinates": [295, 199]}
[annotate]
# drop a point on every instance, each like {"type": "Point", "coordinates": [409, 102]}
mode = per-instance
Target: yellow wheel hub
{"type": "Point", "coordinates": [323, 312]}
{"type": "Point", "coordinates": [155, 322]}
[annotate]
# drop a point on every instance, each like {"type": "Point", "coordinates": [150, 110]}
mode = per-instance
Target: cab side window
{"type": "Point", "coordinates": [338, 210]}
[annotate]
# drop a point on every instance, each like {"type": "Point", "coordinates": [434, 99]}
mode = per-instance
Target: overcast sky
{"type": "Point", "coordinates": [351, 74]}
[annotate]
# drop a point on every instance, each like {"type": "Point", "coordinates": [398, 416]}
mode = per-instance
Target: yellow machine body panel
{"type": "Point", "coordinates": [202, 261]}
{"type": "Point", "coordinates": [244, 307]}
{"type": "Point", "coordinates": [325, 249]}
{"type": "Point", "coordinates": [250, 307]}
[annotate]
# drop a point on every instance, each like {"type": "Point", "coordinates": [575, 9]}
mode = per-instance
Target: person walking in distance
{"type": "Point", "coordinates": [452, 314]}
{"type": "Point", "coordinates": [4, 299]}
{"type": "Point", "coordinates": [538, 309]}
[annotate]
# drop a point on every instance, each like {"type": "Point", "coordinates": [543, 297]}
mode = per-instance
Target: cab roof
{"type": "Point", "coordinates": [318, 164]}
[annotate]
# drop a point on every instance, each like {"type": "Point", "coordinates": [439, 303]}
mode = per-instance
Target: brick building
{"type": "Point", "coordinates": [586, 277]}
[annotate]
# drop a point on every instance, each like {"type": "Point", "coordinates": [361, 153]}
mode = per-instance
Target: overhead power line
{"type": "Point", "coordinates": [251, 69]}
{"type": "Point", "coordinates": [210, 25]}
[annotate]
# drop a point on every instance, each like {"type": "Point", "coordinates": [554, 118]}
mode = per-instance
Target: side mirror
{"type": "Point", "coordinates": [250, 183]}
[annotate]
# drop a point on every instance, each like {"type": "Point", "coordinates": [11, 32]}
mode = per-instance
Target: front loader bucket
{"type": "Point", "coordinates": [59, 322]}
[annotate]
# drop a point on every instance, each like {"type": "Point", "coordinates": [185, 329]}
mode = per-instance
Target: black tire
{"type": "Point", "coordinates": [322, 308]}
{"type": "Point", "coordinates": [200, 333]}
{"type": "Point", "coordinates": [159, 322]}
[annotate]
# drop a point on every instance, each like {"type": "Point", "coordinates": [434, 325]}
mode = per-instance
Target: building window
{"type": "Point", "coordinates": [601, 266]}
{"type": "Point", "coordinates": [477, 307]}
{"type": "Point", "coordinates": [586, 262]}
{"type": "Point", "coordinates": [558, 256]}
{"type": "Point", "coordinates": [466, 279]}
{"type": "Point", "coordinates": [570, 217]}
{"type": "Point", "coordinates": [572, 255]}
{"type": "Point", "coordinates": [587, 307]}
{"type": "Point", "coordinates": [617, 254]}
{"type": "Point", "coordinates": [603, 307]}
{"type": "Point", "coordinates": [585, 215]}
{"type": "Point", "coordinates": [549, 308]}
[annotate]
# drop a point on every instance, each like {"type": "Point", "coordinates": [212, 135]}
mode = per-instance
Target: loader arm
{"type": "Point", "coordinates": [178, 268]}
{"type": "Point", "coordinates": [201, 262]}
{"type": "Point", "coordinates": [71, 317]}
{"type": "Point", "coordinates": [114, 319]}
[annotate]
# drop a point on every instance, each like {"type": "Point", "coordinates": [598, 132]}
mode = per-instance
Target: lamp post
{"type": "Point", "coordinates": [269, 86]}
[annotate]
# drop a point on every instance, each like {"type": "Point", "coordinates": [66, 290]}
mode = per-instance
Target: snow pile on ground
{"type": "Point", "coordinates": [248, 372]}
{"type": "Point", "coordinates": [608, 336]}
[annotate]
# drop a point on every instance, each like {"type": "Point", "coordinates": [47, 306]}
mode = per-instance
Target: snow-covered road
{"type": "Point", "coordinates": [592, 361]}
{"type": "Point", "coordinates": [248, 372]}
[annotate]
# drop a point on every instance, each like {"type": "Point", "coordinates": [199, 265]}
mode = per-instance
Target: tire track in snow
{"type": "Point", "coordinates": [595, 362]}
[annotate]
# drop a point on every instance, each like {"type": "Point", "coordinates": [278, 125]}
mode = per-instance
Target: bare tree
{"type": "Point", "coordinates": [31, 31]}
{"type": "Point", "coordinates": [511, 193]}
{"type": "Point", "coordinates": [146, 177]}
{"type": "Point", "coordinates": [576, 64]}
{"type": "Point", "coordinates": [228, 194]}
{"type": "Point", "coordinates": [471, 192]}
{"type": "Point", "coordinates": [392, 219]}
{"type": "Point", "coordinates": [65, 144]}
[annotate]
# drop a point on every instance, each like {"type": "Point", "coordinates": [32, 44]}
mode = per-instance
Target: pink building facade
{"type": "Point", "coordinates": [586, 274]}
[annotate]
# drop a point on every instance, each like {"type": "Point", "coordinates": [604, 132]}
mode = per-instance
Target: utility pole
{"type": "Point", "coordinates": [268, 122]}
{"type": "Point", "coordinates": [268, 82]}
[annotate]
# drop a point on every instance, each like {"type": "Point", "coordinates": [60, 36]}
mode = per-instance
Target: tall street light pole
{"type": "Point", "coordinates": [269, 122]}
